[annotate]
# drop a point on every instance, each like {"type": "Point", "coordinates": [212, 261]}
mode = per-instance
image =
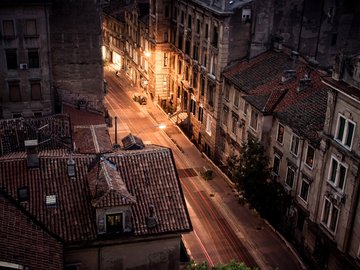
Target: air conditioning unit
{"type": "Point", "coordinates": [23, 66]}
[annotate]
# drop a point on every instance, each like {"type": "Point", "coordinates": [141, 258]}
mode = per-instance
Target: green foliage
{"type": "Point", "coordinates": [229, 266]}
{"type": "Point", "coordinates": [252, 175]}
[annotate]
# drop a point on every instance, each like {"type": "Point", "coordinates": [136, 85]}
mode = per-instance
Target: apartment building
{"type": "Point", "coordinates": [333, 237]}
{"type": "Point", "coordinates": [125, 27]}
{"type": "Point", "coordinates": [194, 41]}
{"type": "Point", "coordinates": [50, 54]}
{"type": "Point", "coordinates": [25, 63]}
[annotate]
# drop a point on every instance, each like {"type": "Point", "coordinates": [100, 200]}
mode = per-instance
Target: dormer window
{"type": "Point", "coordinates": [114, 223]}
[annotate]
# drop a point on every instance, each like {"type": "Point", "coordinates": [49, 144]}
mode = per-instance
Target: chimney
{"type": "Point", "coordinates": [277, 43]}
{"type": "Point", "coordinates": [338, 66]}
{"type": "Point", "coordinates": [32, 158]}
{"type": "Point", "coordinates": [304, 83]}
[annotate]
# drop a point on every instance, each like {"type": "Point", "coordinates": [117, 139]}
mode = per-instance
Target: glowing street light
{"type": "Point", "coordinates": [147, 54]}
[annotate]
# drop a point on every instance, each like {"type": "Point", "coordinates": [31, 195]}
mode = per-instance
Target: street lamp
{"type": "Point", "coordinates": [147, 54]}
{"type": "Point", "coordinates": [160, 126]}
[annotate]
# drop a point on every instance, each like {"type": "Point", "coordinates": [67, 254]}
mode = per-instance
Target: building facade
{"type": "Point", "coordinates": [50, 54]}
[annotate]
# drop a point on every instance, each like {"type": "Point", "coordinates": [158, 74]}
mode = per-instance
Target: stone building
{"type": "Point", "coordinates": [50, 52]}
{"type": "Point", "coordinates": [25, 62]}
{"type": "Point", "coordinates": [193, 41]}
{"type": "Point", "coordinates": [333, 235]}
{"type": "Point", "coordinates": [125, 39]}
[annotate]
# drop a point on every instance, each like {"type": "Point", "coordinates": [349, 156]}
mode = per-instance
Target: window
{"type": "Point", "coordinates": [225, 115]}
{"type": "Point", "coordinates": [33, 57]}
{"type": "Point", "coordinates": [290, 176]}
{"type": "Point", "coordinates": [236, 98]}
{"type": "Point", "coordinates": [11, 59]}
{"type": "Point", "coordinates": [195, 78]}
{"type": "Point", "coordinates": [8, 29]}
{"type": "Point", "coordinates": [182, 17]}
{"type": "Point", "coordinates": [234, 122]}
{"type": "Point", "coordinates": [294, 148]}
{"type": "Point", "coordinates": [167, 12]}
{"type": "Point", "coordinates": [30, 29]}
{"type": "Point", "coordinates": [114, 223]}
{"type": "Point", "coordinates": [330, 215]}
{"type": "Point", "coordinates": [208, 124]}
{"type": "Point", "coordinates": [180, 42]}
{"type": "Point", "coordinates": [187, 73]}
{"type": "Point", "coordinates": [36, 91]}
{"type": "Point", "coordinates": [310, 156]}
{"type": "Point", "coordinates": [189, 21]}
{"type": "Point", "coordinates": [280, 133]}
{"type": "Point", "coordinates": [14, 92]}
{"type": "Point", "coordinates": [200, 114]}
{"type": "Point", "coordinates": [211, 94]}
{"type": "Point", "coordinates": [192, 106]}
{"type": "Point", "coordinates": [206, 30]}
{"type": "Point", "coordinates": [304, 190]}
{"type": "Point", "coordinates": [196, 53]}
{"type": "Point", "coordinates": [337, 173]}
{"type": "Point", "coordinates": [276, 164]}
{"type": "Point", "coordinates": [165, 59]}
{"type": "Point", "coordinates": [202, 85]}
{"type": "Point", "coordinates": [345, 131]}
{"type": "Point", "coordinates": [214, 40]}
{"type": "Point", "coordinates": [254, 120]}
{"type": "Point", "coordinates": [198, 26]}
{"type": "Point", "coordinates": [246, 107]}
{"type": "Point", "coordinates": [204, 63]}
{"type": "Point", "coordinates": [187, 46]}
{"type": "Point", "coordinates": [23, 194]}
{"type": "Point", "coordinates": [179, 66]}
{"type": "Point", "coordinates": [227, 92]}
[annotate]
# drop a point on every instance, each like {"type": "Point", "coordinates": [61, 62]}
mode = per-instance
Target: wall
{"type": "Point", "coordinates": [76, 52]}
{"type": "Point", "coordinates": [147, 254]}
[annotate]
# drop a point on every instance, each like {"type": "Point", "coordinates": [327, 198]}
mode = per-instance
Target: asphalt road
{"type": "Point", "coordinates": [217, 236]}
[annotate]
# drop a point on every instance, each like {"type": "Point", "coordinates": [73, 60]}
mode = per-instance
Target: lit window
{"type": "Point", "coordinates": [208, 124]}
{"type": "Point", "coordinates": [310, 156]}
{"type": "Point", "coordinates": [280, 133]}
{"type": "Point", "coordinates": [304, 190]}
{"type": "Point", "coordinates": [114, 223]}
{"type": "Point", "coordinates": [330, 215]}
{"type": "Point", "coordinates": [290, 176]}
{"type": "Point", "coordinates": [294, 144]}
{"type": "Point", "coordinates": [345, 131]}
{"type": "Point", "coordinates": [337, 173]}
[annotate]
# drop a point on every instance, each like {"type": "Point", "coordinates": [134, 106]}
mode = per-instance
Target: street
{"type": "Point", "coordinates": [218, 235]}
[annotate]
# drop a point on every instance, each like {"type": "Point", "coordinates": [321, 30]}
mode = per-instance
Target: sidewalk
{"type": "Point", "coordinates": [269, 248]}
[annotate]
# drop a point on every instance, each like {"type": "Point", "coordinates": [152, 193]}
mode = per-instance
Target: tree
{"type": "Point", "coordinates": [229, 266]}
{"type": "Point", "coordinates": [252, 175]}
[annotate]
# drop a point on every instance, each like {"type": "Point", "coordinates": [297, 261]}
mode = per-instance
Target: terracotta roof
{"type": "Point", "coordinates": [83, 117]}
{"type": "Point", "coordinates": [303, 109]}
{"type": "Point", "coordinates": [148, 174]}
{"type": "Point", "coordinates": [52, 132]}
{"type": "Point", "coordinates": [24, 241]}
{"type": "Point", "coordinates": [247, 75]}
{"type": "Point", "coordinates": [92, 139]}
